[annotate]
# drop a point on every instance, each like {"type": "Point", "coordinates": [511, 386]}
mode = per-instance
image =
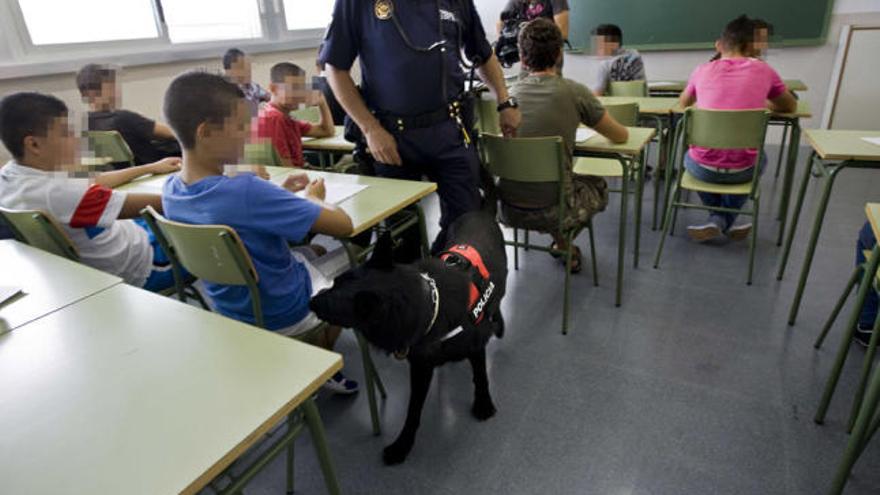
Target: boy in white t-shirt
{"type": "Point", "coordinates": [35, 129]}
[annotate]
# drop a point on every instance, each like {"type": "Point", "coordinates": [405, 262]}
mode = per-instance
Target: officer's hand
{"type": "Point", "coordinates": [509, 118]}
{"type": "Point", "coordinates": [383, 147]}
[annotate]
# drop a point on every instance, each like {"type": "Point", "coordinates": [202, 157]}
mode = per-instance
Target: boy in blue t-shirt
{"type": "Point", "coordinates": [211, 119]}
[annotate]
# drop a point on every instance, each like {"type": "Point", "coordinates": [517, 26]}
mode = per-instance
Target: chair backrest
{"type": "Point", "coordinates": [628, 88]}
{"type": "Point", "coordinates": [725, 129]}
{"type": "Point", "coordinates": [37, 229]}
{"type": "Point", "coordinates": [525, 159]}
{"type": "Point", "coordinates": [110, 144]}
{"type": "Point", "coordinates": [213, 253]}
{"type": "Point", "coordinates": [261, 154]}
{"type": "Point", "coordinates": [625, 113]}
{"type": "Point", "coordinates": [486, 116]}
{"type": "Point", "coordinates": [307, 114]}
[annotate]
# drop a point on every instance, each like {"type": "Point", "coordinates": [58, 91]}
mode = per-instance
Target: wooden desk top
{"type": "Point", "coordinates": [49, 282]}
{"type": "Point", "coordinates": [381, 199]}
{"type": "Point", "coordinates": [131, 392]}
{"type": "Point", "coordinates": [843, 145]}
{"type": "Point", "coordinates": [803, 112]}
{"type": "Point", "coordinates": [638, 139]}
{"type": "Point", "coordinates": [653, 105]}
{"type": "Point", "coordinates": [873, 212]}
{"type": "Point", "coordinates": [678, 85]}
{"type": "Point", "coordinates": [336, 143]}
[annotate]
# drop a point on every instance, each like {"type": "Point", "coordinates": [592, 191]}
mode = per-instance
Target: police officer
{"type": "Point", "coordinates": [409, 108]}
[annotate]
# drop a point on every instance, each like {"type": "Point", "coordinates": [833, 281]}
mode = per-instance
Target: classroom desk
{"type": "Point", "coordinates": [627, 152]}
{"type": "Point", "coordinates": [329, 147]}
{"type": "Point", "coordinates": [131, 392]}
{"type": "Point", "coordinates": [864, 424]}
{"type": "Point", "coordinates": [845, 149]}
{"type": "Point", "coordinates": [675, 87]}
{"type": "Point", "coordinates": [49, 282]}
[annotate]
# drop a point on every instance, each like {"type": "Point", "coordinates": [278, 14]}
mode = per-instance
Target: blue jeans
{"type": "Point", "coordinates": [161, 276]}
{"type": "Point", "coordinates": [867, 241]}
{"type": "Point", "coordinates": [732, 201]}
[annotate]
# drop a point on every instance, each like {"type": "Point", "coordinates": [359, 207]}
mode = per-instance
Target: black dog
{"type": "Point", "coordinates": [432, 312]}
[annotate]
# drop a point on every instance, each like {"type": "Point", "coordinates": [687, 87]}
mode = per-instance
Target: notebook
{"type": "Point", "coordinates": [584, 134]}
{"type": "Point", "coordinates": [872, 140]}
{"type": "Point", "coordinates": [337, 192]}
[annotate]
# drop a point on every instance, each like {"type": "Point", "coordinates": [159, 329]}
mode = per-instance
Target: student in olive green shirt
{"type": "Point", "coordinates": [555, 106]}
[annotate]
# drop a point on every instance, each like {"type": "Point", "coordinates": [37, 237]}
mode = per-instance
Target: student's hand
{"type": "Point", "coordinates": [165, 166]}
{"type": "Point", "coordinates": [383, 146]}
{"type": "Point", "coordinates": [296, 182]}
{"type": "Point", "coordinates": [316, 190]}
{"type": "Point", "coordinates": [510, 118]}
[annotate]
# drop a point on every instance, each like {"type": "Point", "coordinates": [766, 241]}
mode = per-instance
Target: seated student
{"type": "Point", "coordinates": [554, 106]}
{"type": "Point", "coordinates": [237, 67]}
{"type": "Point", "coordinates": [733, 82]}
{"type": "Point", "coordinates": [149, 140]}
{"type": "Point", "coordinates": [865, 327]}
{"type": "Point", "coordinates": [212, 120]}
{"type": "Point", "coordinates": [35, 129]}
{"type": "Point", "coordinates": [621, 64]}
{"type": "Point", "coordinates": [289, 90]}
{"type": "Point", "coordinates": [760, 41]}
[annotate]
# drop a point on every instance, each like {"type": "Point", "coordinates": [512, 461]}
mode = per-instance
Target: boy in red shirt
{"type": "Point", "coordinates": [274, 123]}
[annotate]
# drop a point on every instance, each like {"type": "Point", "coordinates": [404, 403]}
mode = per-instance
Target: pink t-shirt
{"type": "Point", "coordinates": [732, 84]}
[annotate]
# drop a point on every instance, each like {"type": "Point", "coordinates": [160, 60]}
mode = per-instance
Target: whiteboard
{"type": "Point", "coordinates": [854, 93]}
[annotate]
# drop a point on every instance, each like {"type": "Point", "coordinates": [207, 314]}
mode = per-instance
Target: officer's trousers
{"type": "Point", "coordinates": [439, 153]}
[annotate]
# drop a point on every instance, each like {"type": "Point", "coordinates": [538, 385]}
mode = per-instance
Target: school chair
{"type": "Point", "coordinates": [538, 160]}
{"type": "Point", "coordinates": [628, 115]}
{"type": "Point", "coordinates": [628, 88]}
{"type": "Point", "coordinates": [869, 276]}
{"type": "Point", "coordinates": [486, 116]}
{"type": "Point", "coordinates": [718, 129]}
{"type": "Point", "coordinates": [230, 264]}
{"type": "Point", "coordinates": [110, 144]}
{"type": "Point", "coordinates": [261, 154]}
{"type": "Point", "coordinates": [36, 228]}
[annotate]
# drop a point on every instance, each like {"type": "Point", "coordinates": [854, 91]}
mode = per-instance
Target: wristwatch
{"type": "Point", "coordinates": [508, 103]}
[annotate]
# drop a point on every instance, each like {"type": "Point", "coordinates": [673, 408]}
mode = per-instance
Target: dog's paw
{"type": "Point", "coordinates": [483, 409]}
{"type": "Point", "coordinates": [396, 453]}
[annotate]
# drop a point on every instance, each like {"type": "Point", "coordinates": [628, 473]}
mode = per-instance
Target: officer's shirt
{"type": "Point", "coordinates": [395, 78]}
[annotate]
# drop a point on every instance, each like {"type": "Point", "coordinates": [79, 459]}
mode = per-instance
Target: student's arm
{"type": "Point", "coordinates": [561, 20]}
{"type": "Point", "coordinates": [611, 129]}
{"type": "Point", "coordinates": [162, 131]}
{"type": "Point", "coordinates": [117, 178]}
{"type": "Point", "coordinates": [493, 76]}
{"type": "Point", "coordinates": [135, 202]}
{"type": "Point", "coordinates": [381, 143]}
{"type": "Point", "coordinates": [784, 103]}
{"type": "Point", "coordinates": [325, 127]}
{"type": "Point", "coordinates": [687, 98]}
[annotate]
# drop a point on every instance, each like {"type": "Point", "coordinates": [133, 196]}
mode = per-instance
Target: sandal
{"type": "Point", "coordinates": [576, 258]}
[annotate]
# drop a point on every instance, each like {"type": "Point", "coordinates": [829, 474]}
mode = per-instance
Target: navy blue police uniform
{"type": "Point", "coordinates": [412, 80]}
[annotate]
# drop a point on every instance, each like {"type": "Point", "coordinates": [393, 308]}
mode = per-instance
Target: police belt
{"type": "Point", "coordinates": [402, 123]}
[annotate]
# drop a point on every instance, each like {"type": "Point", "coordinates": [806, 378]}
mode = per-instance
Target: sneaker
{"type": "Point", "coordinates": [863, 335]}
{"type": "Point", "coordinates": [706, 232]}
{"type": "Point", "coordinates": [339, 384]}
{"type": "Point", "coordinates": [739, 232]}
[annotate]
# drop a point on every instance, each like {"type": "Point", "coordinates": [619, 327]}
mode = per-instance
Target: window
{"type": "Point", "coordinates": [209, 20]}
{"type": "Point", "coordinates": [308, 14]}
{"type": "Point", "coordinates": [51, 22]}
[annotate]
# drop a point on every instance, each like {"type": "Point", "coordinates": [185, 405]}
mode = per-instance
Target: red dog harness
{"type": "Point", "coordinates": [481, 288]}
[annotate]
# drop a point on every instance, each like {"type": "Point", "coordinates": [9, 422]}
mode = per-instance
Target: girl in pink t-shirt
{"type": "Point", "coordinates": [733, 82]}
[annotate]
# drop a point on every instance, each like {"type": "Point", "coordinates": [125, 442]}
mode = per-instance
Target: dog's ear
{"type": "Point", "coordinates": [368, 306]}
{"type": "Point", "coordinates": [383, 253]}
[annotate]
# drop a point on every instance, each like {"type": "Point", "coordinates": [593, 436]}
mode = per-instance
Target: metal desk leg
{"type": "Point", "coordinates": [781, 148]}
{"type": "Point", "coordinates": [859, 435]}
{"type": "Point", "coordinates": [640, 189]}
{"type": "Point", "coordinates": [319, 439]}
{"type": "Point", "coordinates": [621, 246]}
{"type": "Point", "coordinates": [814, 240]}
{"type": "Point", "coordinates": [788, 178]}
{"type": "Point", "coordinates": [795, 216]}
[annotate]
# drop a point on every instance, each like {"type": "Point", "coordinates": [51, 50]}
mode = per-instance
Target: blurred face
{"type": "Point", "coordinates": [107, 98]}
{"type": "Point", "coordinates": [240, 71]}
{"type": "Point", "coordinates": [58, 149]}
{"type": "Point", "coordinates": [223, 143]}
{"type": "Point", "coordinates": [761, 42]}
{"type": "Point", "coordinates": [292, 92]}
{"type": "Point", "coordinates": [605, 46]}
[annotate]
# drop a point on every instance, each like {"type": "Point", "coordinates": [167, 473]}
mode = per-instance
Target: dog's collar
{"type": "Point", "coordinates": [435, 298]}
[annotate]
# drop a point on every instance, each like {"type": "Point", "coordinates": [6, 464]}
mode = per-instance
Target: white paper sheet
{"type": "Point", "coordinates": [337, 192]}
{"type": "Point", "coordinates": [8, 292]}
{"type": "Point", "coordinates": [584, 134]}
{"type": "Point", "coordinates": [872, 140]}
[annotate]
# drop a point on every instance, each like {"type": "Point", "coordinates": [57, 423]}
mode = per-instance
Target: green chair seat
{"type": "Point", "coordinates": [600, 167]}
{"type": "Point", "coordinates": [690, 182]}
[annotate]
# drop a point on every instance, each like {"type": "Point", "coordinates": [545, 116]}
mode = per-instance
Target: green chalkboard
{"type": "Point", "coordinates": [696, 24]}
